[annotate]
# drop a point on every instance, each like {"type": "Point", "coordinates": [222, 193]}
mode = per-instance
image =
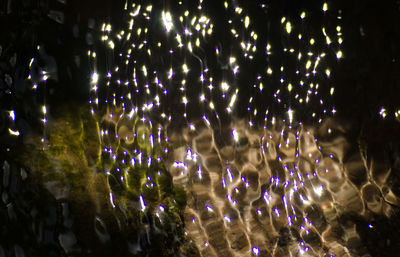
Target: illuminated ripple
{"type": "Point", "coordinates": [277, 191]}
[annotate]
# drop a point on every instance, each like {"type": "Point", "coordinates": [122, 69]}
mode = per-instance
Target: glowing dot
{"type": "Point", "coordinates": [108, 27]}
{"type": "Point", "coordinates": [308, 64]}
{"type": "Point", "coordinates": [319, 190]}
{"type": "Point", "coordinates": [325, 7]}
{"type": "Point", "coordinates": [142, 203]}
{"type": "Point", "coordinates": [339, 54]}
{"type": "Point", "coordinates": [227, 218]}
{"type": "Point", "coordinates": [95, 77]}
{"type": "Point", "coordinates": [288, 27]}
{"type": "Point", "coordinates": [236, 138]}
{"type": "Point", "coordinates": [212, 106]}
{"type": "Point", "coordinates": [383, 112]}
{"type": "Point", "coordinates": [45, 77]}
{"type": "Point", "coordinates": [327, 72]}
{"type": "Point", "coordinates": [144, 69]}
{"type": "Point", "coordinates": [246, 21]}
{"type": "Point", "coordinates": [224, 86]}
{"type": "Point", "coordinates": [170, 73]}
{"type": "Point", "coordinates": [12, 115]}
{"type": "Point", "coordinates": [185, 68]}
{"type": "Point", "coordinates": [290, 114]}
{"type": "Point", "coordinates": [235, 70]}
{"type": "Point", "coordinates": [256, 251]}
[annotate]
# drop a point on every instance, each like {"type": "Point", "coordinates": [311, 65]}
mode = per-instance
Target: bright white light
{"type": "Point", "coordinates": [397, 114]}
{"type": "Point", "coordinates": [256, 251]}
{"type": "Point", "coordinates": [288, 27]}
{"type": "Point", "coordinates": [319, 190]}
{"type": "Point", "coordinates": [325, 7]}
{"type": "Point", "coordinates": [233, 99]}
{"type": "Point", "coordinates": [290, 114]}
{"type": "Point", "coordinates": [12, 115]}
{"type": "Point", "coordinates": [14, 133]}
{"type": "Point", "coordinates": [142, 203]}
{"type": "Point", "coordinates": [185, 68]}
{"type": "Point", "coordinates": [246, 21]}
{"type": "Point", "coordinates": [383, 112]}
{"type": "Point", "coordinates": [235, 135]}
{"type": "Point", "coordinates": [224, 86]}
{"type": "Point", "coordinates": [112, 200]}
{"type": "Point", "coordinates": [199, 172]}
{"type": "Point", "coordinates": [167, 19]}
{"type": "Point", "coordinates": [170, 73]}
{"type": "Point", "coordinates": [95, 77]}
{"type": "Point", "coordinates": [290, 87]}
{"type": "Point", "coordinates": [229, 174]}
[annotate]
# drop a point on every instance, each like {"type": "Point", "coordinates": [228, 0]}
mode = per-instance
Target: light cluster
{"type": "Point", "coordinates": [166, 65]}
{"type": "Point", "coordinates": [176, 61]}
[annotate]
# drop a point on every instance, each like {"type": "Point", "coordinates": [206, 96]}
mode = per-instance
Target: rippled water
{"type": "Point", "coordinates": [280, 191]}
{"type": "Point", "coordinates": [205, 128]}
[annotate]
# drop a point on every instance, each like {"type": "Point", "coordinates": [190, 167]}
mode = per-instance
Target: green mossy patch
{"type": "Point", "coordinates": [72, 157]}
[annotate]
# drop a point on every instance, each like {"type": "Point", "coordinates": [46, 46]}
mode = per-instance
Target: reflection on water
{"type": "Point", "coordinates": [198, 128]}
{"type": "Point", "coordinates": [234, 191]}
{"type": "Point", "coordinates": [280, 191]}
